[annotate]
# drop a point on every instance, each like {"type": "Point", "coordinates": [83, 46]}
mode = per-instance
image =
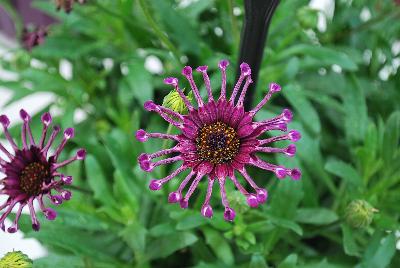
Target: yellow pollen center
{"type": "Point", "coordinates": [217, 143]}
{"type": "Point", "coordinates": [32, 178]}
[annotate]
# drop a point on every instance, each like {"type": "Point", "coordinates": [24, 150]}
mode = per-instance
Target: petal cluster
{"type": "Point", "coordinates": [32, 172]}
{"type": "Point", "coordinates": [218, 140]}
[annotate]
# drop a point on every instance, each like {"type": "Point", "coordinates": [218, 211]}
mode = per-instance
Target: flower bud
{"type": "Point", "coordinates": [359, 214]}
{"type": "Point", "coordinates": [174, 102]}
{"type": "Point", "coordinates": [16, 259]}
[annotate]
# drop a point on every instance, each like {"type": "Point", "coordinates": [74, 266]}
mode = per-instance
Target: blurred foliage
{"type": "Point", "coordinates": [343, 84]}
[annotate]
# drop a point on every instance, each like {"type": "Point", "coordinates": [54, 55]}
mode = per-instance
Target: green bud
{"type": "Point", "coordinates": [174, 102]}
{"type": "Point", "coordinates": [359, 214]}
{"type": "Point", "coordinates": [16, 259]}
{"type": "Point", "coordinates": [307, 17]}
{"type": "Point", "coordinates": [238, 202]}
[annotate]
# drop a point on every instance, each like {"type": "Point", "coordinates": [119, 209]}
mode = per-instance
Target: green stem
{"type": "Point", "coordinates": [163, 37]}
{"type": "Point", "coordinates": [165, 143]}
{"type": "Point", "coordinates": [234, 25]}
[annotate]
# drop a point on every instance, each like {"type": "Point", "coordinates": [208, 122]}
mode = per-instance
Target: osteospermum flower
{"type": "Point", "coordinates": [218, 140]}
{"type": "Point", "coordinates": [67, 5]}
{"type": "Point", "coordinates": [31, 39]}
{"type": "Point", "coordinates": [31, 171]}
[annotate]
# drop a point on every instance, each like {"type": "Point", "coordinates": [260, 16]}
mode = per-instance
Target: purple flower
{"type": "Point", "coordinates": [31, 172]}
{"type": "Point", "coordinates": [33, 38]}
{"type": "Point", "coordinates": [217, 139]}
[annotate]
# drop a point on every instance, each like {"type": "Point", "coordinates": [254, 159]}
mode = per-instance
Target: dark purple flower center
{"type": "Point", "coordinates": [217, 143]}
{"type": "Point", "coordinates": [32, 177]}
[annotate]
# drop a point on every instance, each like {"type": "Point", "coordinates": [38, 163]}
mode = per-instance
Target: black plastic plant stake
{"type": "Point", "coordinates": [258, 14]}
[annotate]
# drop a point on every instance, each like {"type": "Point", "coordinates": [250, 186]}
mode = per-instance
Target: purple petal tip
{"type": "Point", "coordinates": [291, 150]}
{"type": "Point", "coordinates": [294, 135]}
{"type": "Point", "coordinates": [50, 214]}
{"type": "Point", "coordinates": [66, 179]}
{"type": "Point", "coordinates": [174, 197]}
{"type": "Point", "coordinates": [252, 200]}
{"type": "Point", "coordinates": [150, 106]}
{"type": "Point", "coordinates": [24, 115]}
{"type": "Point", "coordinates": [280, 172]}
{"type": "Point", "coordinates": [69, 133]}
{"type": "Point", "coordinates": [207, 211]}
{"type": "Point", "coordinates": [245, 69]}
{"type": "Point", "coordinates": [4, 121]}
{"type": "Point", "coordinates": [223, 64]}
{"type": "Point", "coordinates": [287, 115]}
{"type": "Point", "coordinates": [295, 174]}
{"type": "Point", "coordinates": [155, 185]}
{"type": "Point", "coordinates": [262, 195]}
{"type": "Point", "coordinates": [56, 200]}
{"type": "Point", "coordinates": [141, 135]}
{"type": "Point", "coordinates": [171, 81]}
{"type": "Point", "coordinates": [187, 71]}
{"type": "Point", "coordinates": [229, 214]}
{"type": "Point", "coordinates": [46, 119]}
{"type": "Point", "coordinates": [12, 229]}
{"type": "Point", "coordinates": [36, 227]}
{"type": "Point", "coordinates": [184, 203]}
{"type": "Point", "coordinates": [274, 87]}
{"type": "Point", "coordinates": [202, 69]}
{"type": "Point", "coordinates": [66, 195]}
{"type": "Point", "coordinates": [81, 154]}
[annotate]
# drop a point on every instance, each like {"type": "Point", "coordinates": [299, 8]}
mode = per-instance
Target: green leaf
{"type": "Point", "coordinates": [257, 261]}
{"type": "Point", "coordinates": [287, 224]}
{"type": "Point", "coordinates": [303, 106]}
{"type": "Point", "coordinates": [289, 262]}
{"type": "Point", "coordinates": [391, 137]}
{"type": "Point", "coordinates": [345, 171]}
{"type": "Point", "coordinates": [356, 116]}
{"type": "Point", "coordinates": [380, 251]}
{"type": "Point", "coordinates": [317, 216]}
{"type": "Point", "coordinates": [190, 222]}
{"type": "Point", "coordinates": [219, 245]}
{"type": "Point", "coordinates": [55, 260]}
{"type": "Point", "coordinates": [138, 83]}
{"type": "Point", "coordinates": [325, 56]}
{"type": "Point", "coordinates": [162, 247]}
{"type": "Point", "coordinates": [349, 244]}
{"type": "Point", "coordinates": [98, 182]}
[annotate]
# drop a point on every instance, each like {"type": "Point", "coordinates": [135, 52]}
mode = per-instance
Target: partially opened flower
{"type": "Point", "coordinates": [218, 140]}
{"type": "Point", "coordinates": [32, 172]}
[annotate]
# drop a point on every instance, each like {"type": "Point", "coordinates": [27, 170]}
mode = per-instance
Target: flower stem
{"type": "Point", "coordinates": [164, 39]}
{"type": "Point", "coordinates": [234, 26]}
{"type": "Point", "coordinates": [258, 14]}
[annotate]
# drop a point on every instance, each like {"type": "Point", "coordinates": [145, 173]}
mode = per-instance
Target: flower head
{"type": "Point", "coordinates": [31, 171]}
{"type": "Point", "coordinates": [67, 5]}
{"type": "Point", "coordinates": [359, 213]}
{"type": "Point", "coordinates": [218, 140]}
{"type": "Point", "coordinates": [31, 39]}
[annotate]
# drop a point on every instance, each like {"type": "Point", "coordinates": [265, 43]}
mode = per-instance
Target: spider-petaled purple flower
{"type": "Point", "coordinates": [31, 172]}
{"type": "Point", "coordinates": [217, 139]}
